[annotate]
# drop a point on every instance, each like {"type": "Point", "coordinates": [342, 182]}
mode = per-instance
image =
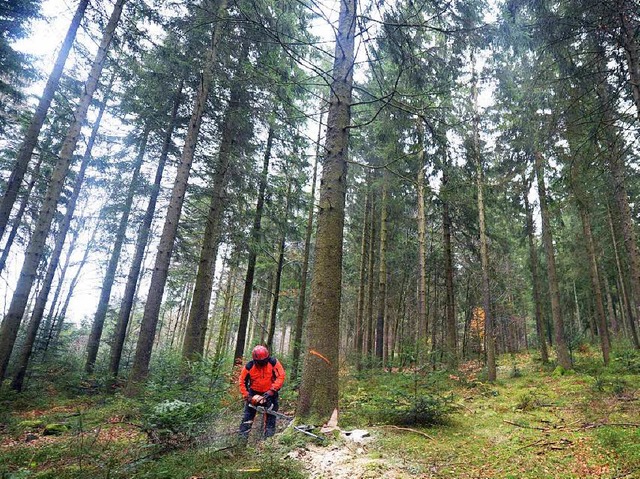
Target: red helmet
{"type": "Point", "coordinates": [260, 353]}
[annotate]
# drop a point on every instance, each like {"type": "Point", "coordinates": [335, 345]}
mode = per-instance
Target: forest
{"type": "Point", "coordinates": [425, 210]}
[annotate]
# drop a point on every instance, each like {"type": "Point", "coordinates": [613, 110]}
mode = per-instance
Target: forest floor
{"type": "Point", "coordinates": [532, 423]}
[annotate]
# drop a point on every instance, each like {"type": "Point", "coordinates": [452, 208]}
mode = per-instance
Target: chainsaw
{"type": "Point", "coordinates": [304, 429]}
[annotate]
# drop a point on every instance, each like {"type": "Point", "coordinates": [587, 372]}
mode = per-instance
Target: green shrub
{"type": "Point", "coordinates": [175, 423]}
{"type": "Point", "coordinates": [626, 361]}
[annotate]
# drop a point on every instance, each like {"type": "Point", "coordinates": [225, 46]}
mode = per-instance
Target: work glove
{"type": "Point", "coordinates": [257, 399]}
{"type": "Point", "coordinates": [246, 398]}
{"type": "Point", "coordinates": [268, 395]}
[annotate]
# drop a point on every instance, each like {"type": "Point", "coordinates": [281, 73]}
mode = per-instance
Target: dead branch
{"type": "Point", "coordinates": [411, 430]}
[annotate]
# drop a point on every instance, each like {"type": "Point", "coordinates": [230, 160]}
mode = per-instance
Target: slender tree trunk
{"type": "Point", "coordinates": [613, 320]}
{"type": "Point", "coordinates": [422, 324]}
{"type": "Point", "coordinates": [319, 388]}
{"type": "Point", "coordinates": [57, 323]}
{"type": "Point", "coordinates": [382, 273]}
{"type": "Point", "coordinates": [196, 330]}
{"type": "Point", "coordinates": [251, 262]}
{"type": "Point", "coordinates": [450, 321]}
{"type": "Point", "coordinates": [362, 283]}
{"type": "Point", "coordinates": [126, 305]}
{"type": "Point", "coordinates": [625, 307]}
{"type": "Point", "coordinates": [31, 136]}
{"type": "Point", "coordinates": [35, 249]}
{"type": "Point", "coordinates": [603, 330]}
{"type": "Point", "coordinates": [276, 289]}
{"type": "Point", "coordinates": [616, 164]}
{"type": "Point", "coordinates": [55, 306]}
{"type": "Point", "coordinates": [629, 41]}
{"type": "Point", "coordinates": [616, 167]}
{"type": "Point", "coordinates": [110, 274]}
{"type": "Point", "coordinates": [54, 260]}
{"type": "Point", "coordinates": [140, 367]}
{"type": "Point", "coordinates": [225, 325]}
{"type": "Point", "coordinates": [20, 213]}
{"type": "Point", "coordinates": [535, 279]}
{"type": "Point", "coordinates": [489, 327]}
{"type": "Point", "coordinates": [297, 338]}
{"type": "Point", "coordinates": [370, 346]}
{"type": "Point", "coordinates": [562, 352]}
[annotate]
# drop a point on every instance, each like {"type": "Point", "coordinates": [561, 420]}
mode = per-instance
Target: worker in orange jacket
{"type": "Point", "coordinates": [260, 381]}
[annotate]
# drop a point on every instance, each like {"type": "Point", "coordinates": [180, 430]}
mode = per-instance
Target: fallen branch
{"type": "Point", "coordinates": [411, 430]}
{"type": "Point", "coordinates": [524, 425]}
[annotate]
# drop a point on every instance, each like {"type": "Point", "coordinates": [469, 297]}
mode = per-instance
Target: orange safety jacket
{"type": "Point", "coordinates": [261, 378]}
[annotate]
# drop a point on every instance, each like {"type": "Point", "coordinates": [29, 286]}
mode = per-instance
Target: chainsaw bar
{"type": "Point", "coordinates": [302, 429]}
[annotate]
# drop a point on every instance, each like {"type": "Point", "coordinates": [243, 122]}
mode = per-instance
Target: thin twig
{"type": "Point", "coordinates": [412, 430]}
{"type": "Point", "coordinates": [524, 425]}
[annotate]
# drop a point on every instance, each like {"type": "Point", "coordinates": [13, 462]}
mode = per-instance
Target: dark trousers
{"type": "Point", "coordinates": [250, 414]}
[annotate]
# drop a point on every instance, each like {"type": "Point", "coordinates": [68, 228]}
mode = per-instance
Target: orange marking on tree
{"type": "Point", "coordinates": [316, 353]}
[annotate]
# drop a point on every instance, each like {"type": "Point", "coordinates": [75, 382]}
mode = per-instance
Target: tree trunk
{"type": "Point", "coordinates": [251, 262]}
{"type": "Point", "coordinates": [126, 305]}
{"type": "Point", "coordinates": [58, 321]}
{"type": "Point", "coordinates": [422, 324]}
{"type": "Point", "coordinates": [297, 339]}
{"type": "Point", "coordinates": [613, 320]}
{"type": "Point", "coordinates": [196, 329]}
{"type": "Point", "coordinates": [562, 352]}
{"type": "Point", "coordinates": [225, 324]}
{"type": "Point", "coordinates": [31, 136]}
{"type": "Point", "coordinates": [382, 272]}
{"type": "Point", "coordinates": [603, 330]}
{"type": "Point", "coordinates": [450, 302]}
{"type": "Point", "coordinates": [370, 345]}
{"type": "Point", "coordinates": [629, 41]}
{"type": "Point", "coordinates": [20, 213]}
{"type": "Point", "coordinates": [276, 289]}
{"type": "Point", "coordinates": [35, 249]}
{"type": "Point", "coordinates": [625, 307]}
{"type": "Point", "coordinates": [319, 388]}
{"type": "Point", "coordinates": [616, 167]}
{"type": "Point", "coordinates": [54, 260]}
{"type": "Point", "coordinates": [489, 326]}
{"type": "Point", "coordinates": [107, 283]}
{"type": "Point", "coordinates": [140, 367]}
{"type": "Point", "coordinates": [535, 280]}
{"type": "Point", "coordinates": [362, 283]}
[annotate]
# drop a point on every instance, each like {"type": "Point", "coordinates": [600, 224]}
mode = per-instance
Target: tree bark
{"type": "Point", "coordinates": [319, 388]}
{"type": "Point", "coordinates": [54, 260]}
{"type": "Point", "coordinates": [562, 352]}
{"type": "Point", "coordinates": [31, 136]}
{"type": "Point", "coordinates": [140, 367]}
{"type": "Point", "coordinates": [251, 261]}
{"type": "Point", "coordinates": [535, 279]}
{"type": "Point", "coordinates": [35, 248]}
{"type": "Point", "coordinates": [126, 305]}
{"type": "Point", "coordinates": [107, 283]}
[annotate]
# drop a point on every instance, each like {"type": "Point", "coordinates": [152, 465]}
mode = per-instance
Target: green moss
{"type": "Point", "coordinates": [55, 429]}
